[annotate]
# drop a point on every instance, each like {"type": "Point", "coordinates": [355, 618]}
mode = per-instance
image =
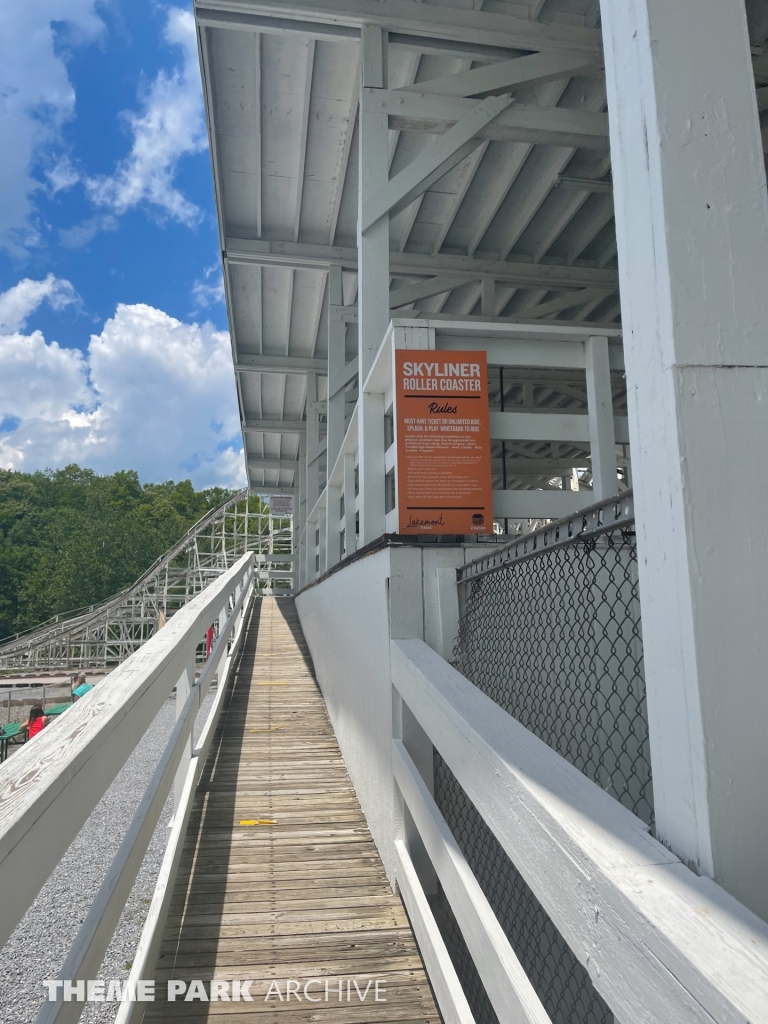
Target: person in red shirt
{"type": "Point", "coordinates": [36, 722]}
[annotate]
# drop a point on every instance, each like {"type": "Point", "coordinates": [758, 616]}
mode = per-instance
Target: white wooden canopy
{"type": "Point", "coordinates": [516, 219]}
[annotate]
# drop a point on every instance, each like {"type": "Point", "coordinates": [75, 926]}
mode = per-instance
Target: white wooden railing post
{"type": "Point", "coordinates": [337, 333]}
{"type": "Point", "coordinates": [183, 687]}
{"type": "Point", "coordinates": [350, 515]}
{"type": "Point", "coordinates": [332, 516]}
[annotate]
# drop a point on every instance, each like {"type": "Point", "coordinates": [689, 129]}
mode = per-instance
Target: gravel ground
{"type": "Point", "coordinates": [40, 943]}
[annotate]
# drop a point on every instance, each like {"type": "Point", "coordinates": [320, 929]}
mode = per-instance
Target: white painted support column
{"type": "Point", "coordinates": [447, 609]}
{"type": "Point", "coordinates": [313, 439]}
{"type": "Point", "coordinates": [602, 436]}
{"type": "Point", "coordinates": [488, 297]}
{"type": "Point", "coordinates": [373, 281]}
{"type": "Point", "coordinates": [337, 334]}
{"type": "Point", "coordinates": [322, 530]}
{"type": "Point", "coordinates": [692, 229]}
{"type": "Point", "coordinates": [373, 245]}
{"type": "Point", "coordinates": [350, 533]}
{"type": "Point", "coordinates": [295, 566]}
{"type": "Point", "coordinates": [301, 517]}
{"type": "Point", "coordinates": [310, 553]}
{"type": "Point", "coordinates": [183, 687]}
{"type": "Point", "coordinates": [371, 475]}
{"type": "Point", "coordinates": [333, 550]}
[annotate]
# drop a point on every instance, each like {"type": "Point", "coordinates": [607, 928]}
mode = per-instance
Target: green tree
{"type": "Point", "coordinates": [70, 538]}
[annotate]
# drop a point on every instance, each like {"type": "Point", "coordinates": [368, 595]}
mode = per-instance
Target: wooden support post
{"type": "Point", "coordinates": [602, 436]}
{"type": "Point", "coordinates": [692, 229]}
{"type": "Point", "coordinates": [337, 334]}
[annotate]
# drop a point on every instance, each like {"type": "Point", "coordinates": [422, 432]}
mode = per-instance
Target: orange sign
{"type": "Point", "coordinates": [443, 442]}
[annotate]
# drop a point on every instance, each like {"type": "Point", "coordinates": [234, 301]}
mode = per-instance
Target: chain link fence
{"type": "Point", "coordinates": [560, 981]}
{"type": "Point", "coordinates": [550, 631]}
{"type": "Point", "coordinates": [554, 638]}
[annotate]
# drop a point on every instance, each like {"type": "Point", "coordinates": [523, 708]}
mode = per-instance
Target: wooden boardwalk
{"type": "Point", "coordinates": [280, 880]}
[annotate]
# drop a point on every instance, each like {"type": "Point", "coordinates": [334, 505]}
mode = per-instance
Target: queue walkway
{"type": "Point", "coordinates": [280, 882]}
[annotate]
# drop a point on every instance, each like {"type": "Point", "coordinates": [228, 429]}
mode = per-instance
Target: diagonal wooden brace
{"type": "Point", "coordinates": [444, 153]}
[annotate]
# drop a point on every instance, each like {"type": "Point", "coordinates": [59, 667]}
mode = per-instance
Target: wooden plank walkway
{"type": "Point", "coordinates": [280, 879]}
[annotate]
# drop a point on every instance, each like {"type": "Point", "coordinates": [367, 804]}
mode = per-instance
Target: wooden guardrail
{"type": "Point", "coordinates": [660, 944]}
{"type": "Point", "coordinates": [49, 788]}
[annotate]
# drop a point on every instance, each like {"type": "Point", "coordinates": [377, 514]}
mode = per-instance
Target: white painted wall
{"type": "Point", "coordinates": [348, 619]}
{"type": "Point", "coordinates": [346, 624]}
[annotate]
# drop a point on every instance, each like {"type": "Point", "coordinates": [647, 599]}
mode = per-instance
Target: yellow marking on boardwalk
{"type": "Point", "coordinates": [259, 821]}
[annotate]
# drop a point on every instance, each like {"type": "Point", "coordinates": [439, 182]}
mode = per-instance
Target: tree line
{"type": "Point", "coordinates": [70, 538]}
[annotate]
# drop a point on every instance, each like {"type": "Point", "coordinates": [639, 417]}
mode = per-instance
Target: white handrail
{"type": "Point", "coordinates": [149, 943]}
{"type": "Point", "coordinates": [90, 945]}
{"type": "Point", "coordinates": [442, 974]}
{"type": "Point", "coordinates": [506, 983]}
{"type": "Point", "coordinates": [660, 944]}
{"type": "Point", "coordinates": [49, 788]}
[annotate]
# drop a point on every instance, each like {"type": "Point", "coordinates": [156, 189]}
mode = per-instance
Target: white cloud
{"type": "Point", "coordinates": [63, 176]}
{"type": "Point", "coordinates": [209, 289]}
{"type": "Point", "coordinates": [36, 99]}
{"type": "Point", "coordinates": [170, 126]}
{"type": "Point", "coordinates": [19, 302]}
{"type": "Point", "coordinates": [81, 234]}
{"type": "Point", "coordinates": [152, 394]}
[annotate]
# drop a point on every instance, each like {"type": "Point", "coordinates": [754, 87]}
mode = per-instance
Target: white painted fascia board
{"type": "Point", "coordinates": [539, 504]}
{"type": "Point", "coordinates": [464, 26]}
{"type": "Point", "coordinates": [531, 330]}
{"type": "Point", "coordinates": [281, 364]}
{"type": "Point", "coordinates": [550, 426]}
{"type": "Point", "coordinates": [561, 355]}
{"type": "Point", "coordinates": [391, 521]}
{"type": "Point", "coordinates": [286, 464]}
{"type": "Point", "coordinates": [660, 943]}
{"type": "Point", "coordinates": [390, 457]}
{"type": "Point", "coordinates": [302, 255]}
{"type": "Point", "coordinates": [263, 489]}
{"type": "Point", "coordinates": [274, 426]}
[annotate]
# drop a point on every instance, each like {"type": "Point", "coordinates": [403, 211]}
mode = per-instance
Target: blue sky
{"type": "Point", "coordinates": [113, 344]}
